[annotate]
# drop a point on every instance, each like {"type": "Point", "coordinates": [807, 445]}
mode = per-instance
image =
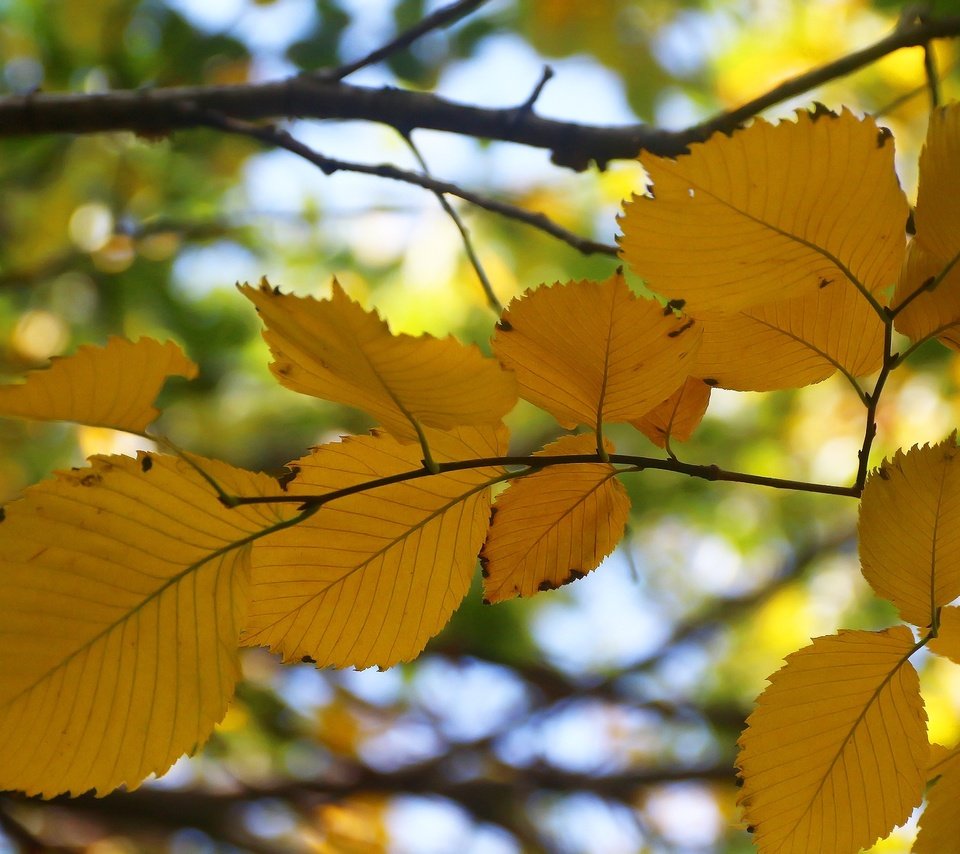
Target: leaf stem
{"type": "Point", "coordinates": [890, 361]}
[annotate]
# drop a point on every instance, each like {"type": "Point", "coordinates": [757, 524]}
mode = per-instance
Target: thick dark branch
{"type": "Point", "coordinates": [160, 111]}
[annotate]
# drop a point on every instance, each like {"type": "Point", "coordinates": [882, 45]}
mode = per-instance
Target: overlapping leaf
{"type": "Point", "coordinates": [122, 601]}
{"type": "Point", "coordinates": [792, 343]}
{"type": "Point", "coordinates": [592, 351]}
{"type": "Point", "coordinates": [910, 530]}
{"type": "Point", "coordinates": [112, 386]}
{"type": "Point", "coordinates": [769, 213]}
{"type": "Point", "coordinates": [335, 350]}
{"type": "Point", "coordinates": [374, 575]}
{"type": "Point", "coordinates": [678, 416]}
{"type": "Point", "coordinates": [938, 822]}
{"type": "Point", "coordinates": [934, 255]}
{"type": "Point", "coordinates": [554, 526]}
{"type": "Point", "coordinates": [834, 755]}
{"type": "Point", "coordinates": [947, 642]}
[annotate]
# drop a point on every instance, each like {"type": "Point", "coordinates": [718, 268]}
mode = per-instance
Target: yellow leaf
{"type": "Point", "coordinates": [834, 755]}
{"type": "Point", "coordinates": [373, 576]}
{"type": "Point", "coordinates": [555, 525]}
{"type": "Point", "coordinates": [112, 386]}
{"type": "Point", "coordinates": [933, 313]}
{"type": "Point", "coordinates": [768, 213]}
{"type": "Point", "coordinates": [792, 343]}
{"type": "Point", "coordinates": [589, 351]}
{"type": "Point", "coordinates": [678, 416]}
{"type": "Point", "coordinates": [123, 591]}
{"type": "Point", "coordinates": [335, 350]}
{"type": "Point", "coordinates": [947, 642]}
{"type": "Point", "coordinates": [938, 822]}
{"type": "Point", "coordinates": [910, 530]}
{"type": "Point", "coordinates": [937, 216]}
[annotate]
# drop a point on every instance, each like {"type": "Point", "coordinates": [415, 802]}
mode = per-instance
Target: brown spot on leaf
{"type": "Point", "coordinates": [484, 572]}
{"type": "Point", "coordinates": [282, 368]}
{"type": "Point", "coordinates": [673, 305]}
{"type": "Point", "coordinates": [883, 134]}
{"type": "Point", "coordinates": [710, 381]}
{"type": "Point", "coordinates": [3, 514]}
{"type": "Point", "coordinates": [287, 476]}
{"type": "Point", "coordinates": [820, 110]}
{"type": "Point", "coordinates": [574, 575]}
{"type": "Point", "coordinates": [485, 601]}
{"type": "Point", "coordinates": [308, 660]}
{"type": "Point", "coordinates": [681, 330]}
{"type": "Point", "coordinates": [91, 479]}
{"type": "Point", "coordinates": [911, 226]}
{"type": "Point", "coordinates": [546, 584]}
{"type": "Point", "coordinates": [884, 474]}
{"type": "Point", "coordinates": [146, 463]}
{"type": "Point", "coordinates": [824, 282]}
{"type": "Point", "coordinates": [504, 325]}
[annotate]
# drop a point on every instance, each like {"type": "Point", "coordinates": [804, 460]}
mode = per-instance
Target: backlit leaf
{"type": "Point", "coordinates": [947, 642]}
{"type": "Point", "coordinates": [910, 530]}
{"type": "Point", "coordinates": [933, 313]}
{"type": "Point", "coordinates": [678, 416]}
{"type": "Point", "coordinates": [792, 343]}
{"type": "Point", "coordinates": [112, 386]}
{"type": "Point", "coordinates": [834, 755]}
{"type": "Point", "coordinates": [335, 350]}
{"type": "Point", "coordinates": [938, 822]}
{"type": "Point", "coordinates": [122, 604]}
{"type": "Point", "coordinates": [592, 350]}
{"type": "Point", "coordinates": [768, 213]}
{"type": "Point", "coordinates": [937, 215]}
{"type": "Point", "coordinates": [554, 526]}
{"type": "Point", "coordinates": [373, 576]}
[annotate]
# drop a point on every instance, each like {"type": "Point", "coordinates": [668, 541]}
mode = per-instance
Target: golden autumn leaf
{"type": "Point", "coordinates": [938, 822]}
{"type": "Point", "coordinates": [910, 530]}
{"type": "Point", "coordinates": [554, 526]}
{"type": "Point", "coordinates": [769, 213]}
{"type": "Point", "coordinates": [937, 215]}
{"type": "Point", "coordinates": [372, 576]}
{"type": "Point", "coordinates": [792, 343]}
{"type": "Point", "coordinates": [947, 641]}
{"type": "Point", "coordinates": [111, 386]}
{"type": "Point", "coordinates": [678, 416]}
{"type": "Point", "coordinates": [834, 755]}
{"type": "Point", "coordinates": [592, 351]}
{"type": "Point", "coordinates": [123, 589]}
{"type": "Point", "coordinates": [335, 350]}
{"type": "Point", "coordinates": [932, 313]}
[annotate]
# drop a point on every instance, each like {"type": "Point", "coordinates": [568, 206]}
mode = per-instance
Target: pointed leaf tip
{"type": "Point", "coordinates": [335, 350]}
{"type": "Point", "coordinates": [112, 386]}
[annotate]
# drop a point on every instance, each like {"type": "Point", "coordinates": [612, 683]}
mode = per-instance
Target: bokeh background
{"type": "Point", "coordinates": [598, 718]}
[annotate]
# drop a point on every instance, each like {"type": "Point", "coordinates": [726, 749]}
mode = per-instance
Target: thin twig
{"type": "Point", "coordinates": [632, 463]}
{"type": "Point", "coordinates": [890, 361]}
{"type": "Point", "coordinates": [449, 209]}
{"type": "Point", "coordinates": [443, 17]}
{"type": "Point", "coordinates": [933, 79]}
{"type": "Point", "coordinates": [283, 139]}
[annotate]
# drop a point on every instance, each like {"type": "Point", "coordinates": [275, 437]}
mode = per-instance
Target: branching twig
{"type": "Point", "coordinates": [159, 111]}
{"type": "Point", "coordinates": [449, 209]}
{"type": "Point", "coordinates": [443, 17]}
{"type": "Point", "coordinates": [282, 139]}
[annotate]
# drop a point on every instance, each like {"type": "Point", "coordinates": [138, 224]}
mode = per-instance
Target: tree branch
{"type": "Point", "coordinates": [160, 111]}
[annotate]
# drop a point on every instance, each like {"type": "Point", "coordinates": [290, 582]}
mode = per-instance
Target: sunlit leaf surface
{"type": "Point", "coordinates": [335, 350]}
{"type": "Point", "coordinates": [554, 526]}
{"type": "Point", "coordinates": [111, 386]}
{"type": "Point", "coordinates": [792, 343]}
{"type": "Point", "coordinates": [835, 753]}
{"type": "Point", "coordinates": [122, 604]}
{"type": "Point", "coordinates": [947, 642]}
{"type": "Point", "coordinates": [910, 530]}
{"type": "Point", "coordinates": [592, 350]}
{"type": "Point", "coordinates": [373, 576]}
{"type": "Point", "coordinates": [938, 822]}
{"type": "Point", "coordinates": [770, 213]}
